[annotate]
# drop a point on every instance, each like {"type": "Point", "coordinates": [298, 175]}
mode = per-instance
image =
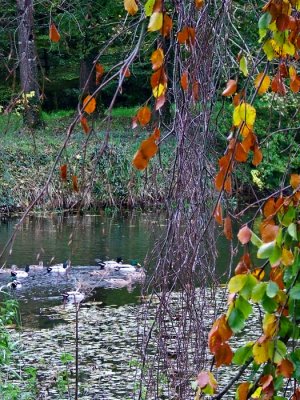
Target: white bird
{"type": "Point", "coordinates": [14, 285]}
{"type": "Point", "coordinates": [18, 273]}
{"type": "Point", "coordinates": [60, 268]}
{"type": "Point", "coordinates": [37, 267]}
{"type": "Point", "coordinates": [73, 296]}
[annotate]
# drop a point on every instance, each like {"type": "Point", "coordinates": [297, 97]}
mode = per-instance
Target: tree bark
{"type": "Point", "coordinates": [28, 64]}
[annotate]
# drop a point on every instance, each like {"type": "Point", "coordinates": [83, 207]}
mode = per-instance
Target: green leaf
{"type": "Point", "coordinates": [236, 320]}
{"type": "Point", "coordinates": [149, 7]}
{"type": "Point", "coordinates": [292, 230]}
{"type": "Point", "coordinates": [279, 351]}
{"type": "Point", "coordinates": [275, 256]}
{"type": "Point", "coordinates": [244, 306]}
{"type": "Point", "coordinates": [269, 305]}
{"type": "Point", "coordinates": [258, 292]}
{"type": "Point", "coordinates": [266, 250]}
{"type": "Point", "coordinates": [272, 289]}
{"type": "Point", "coordinates": [285, 326]}
{"type": "Point", "coordinates": [250, 283]}
{"type": "Point", "coordinates": [295, 292]}
{"type": "Point", "coordinates": [289, 216]}
{"type": "Point", "coordinates": [244, 66]}
{"type": "Point", "coordinates": [264, 21]}
{"type": "Point", "coordinates": [242, 355]}
{"type": "Point", "coordinates": [256, 240]}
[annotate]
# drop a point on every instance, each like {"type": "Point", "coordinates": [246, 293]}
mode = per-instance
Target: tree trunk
{"type": "Point", "coordinates": [28, 64]}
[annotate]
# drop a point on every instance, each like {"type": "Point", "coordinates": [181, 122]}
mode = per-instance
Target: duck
{"type": "Point", "coordinates": [74, 296]}
{"type": "Point", "coordinates": [60, 268]}
{"type": "Point", "coordinates": [118, 283]}
{"type": "Point", "coordinates": [36, 267]}
{"type": "Point", "coordinates": [15, 273]}
{"type": "Point", "coordinates": [15, 284]}
{"type": "Point", "coordinates": [110, 264]}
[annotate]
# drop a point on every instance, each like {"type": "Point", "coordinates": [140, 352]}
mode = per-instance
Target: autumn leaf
{"type": "Point", "coordinates": [187, 35]}
{"type": "Point", "coordinates": [126, 72]}
{"type": "Point", "coordinates": [89, 104]}
{"type": "Point", "coordinates": [167, 25]}
{"type": "Point", "coordinates": [63, 172]}
{"type": "Point", "coordinates": [261, 352]}
{"type": "Point", "coordinates": [219, 333]}
{"type": "Point", "coordinates": [75, 183]}
{"type": "Point", "coordinates": [240, 154]}
{"type": "Point", "coordinates": [53, 33]}
{"type": "Point", "coordinates": [131, 7]}
{"type": "Point", "coordinates": [218, 214]}
{"type": "Point", "coordinates": [287, 257]}
{"type": "Point", "coordinates": [244, 235]}
{"type": "Point", "coordinates": [157, 59]}
{"type": "Point", "coordinates": [244, 66]}
{"type": "Point", "coordinates": [244, 113]}
{"type": "Point", "coordinates": [269, 207]}
{"type": "Point", "coordinates": [295, 181]}
{"type": "Point", "coordinates": [85, 125]}
{"type": "Point", "coordinates": [207, 382]}
{"type": "Point", "coordinates": [144, 115]}
{"type": "Point", "coordinates": [158, 77]}
{"type": "Point", "coordinates": [184, 80]}
{"type": "Point", "coordinates": [243, 390]}
{"type": "Point", "coordinates": [149, 7]}
{"type": "Point", "coordinates": [228, 228]}
{"type": "Point", "coordinates": [148, 148]}
{"type": "Point", "coordinates": [99, 73]}
{"type": "Point", "coordinates": [269, 232]}
{"type": "Point", "coordinates": [156, 22]}
{"type": "Point", "coordinates": [139, 161]}
{"type": "Point", "coordinates": [285, 368]}
{"type": "Point", "coordinates": [262, 83]}
{"type": "Point", "coordinates": [257, 156]}
{"type": "Point", "coordinates": [270, 325]}
{"type": "Point", "coordinates": [160, 101]}
{"type": "Point", "coordinates": [231, 88]}
{"type": "Point", "coordinates": [195, 90]}
{"type": "Point", "coordinates": [223, 355]}
{"type": "Point", "coordinates": [159, 90]}
{"type": "Point", "coordinates": [199, 4]}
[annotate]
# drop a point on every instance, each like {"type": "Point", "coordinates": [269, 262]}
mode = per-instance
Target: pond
{"type": "Point", "coordinates": [108, 317]}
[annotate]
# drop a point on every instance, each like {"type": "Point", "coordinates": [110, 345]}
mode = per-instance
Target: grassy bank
{"type": "Point", "coordinates": [27, 158]}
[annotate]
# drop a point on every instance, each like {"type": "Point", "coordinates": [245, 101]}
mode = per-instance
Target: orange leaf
{"type": "Point", "coordinates": [269, 232]}
{"type": "Point", "coordinates": [148, 148]}
{"type": "Point", "coordinates": [144, 115]}
{"type": "Point", "coordinates": [248, 142]}
{"type": "Point", "coordinates": [269, 207]}
{"type": "Point", "coordinates": [139, 161]}
{"type": "Point", "coordinates": [53, 33]}
{"type": "Point", "coordinates": [257, 157]}
{"type": "Point", "coordinates": [131, 7]}
{"type": "Point", "coordinates": [89, 104]}
{"type": "Point", "coordinates": [262, 83]}
{"type": "Point", "coordinates": [228, 228]}
{"type": "Point", "coordinates": [126, 72]}
{"type": "Point", "coordinates": [99, 73]}
{"type": "Point", "coordinates": [295, 181]}
{"type": "Point", "coordinates": [199, 4]}
{"type": "Point", "coordinates": [231, 88]}
{"type": "Point", "coordinates": [75, 183]}
{"type": "Point", "coordinates": [243, 391]}
{"type": "Point", "coordinates": [187, 35]}
{"type": "Point", "coordinates": [157, 59]}
{"type": "Point", "coordinates": [157, 6]}
{"type": "Point", "coordinates": [219, 333]}
{"type": "Point", "coordinates": [277, 85]}
{"type": "Point", "coordinates": [158, 77]}
{"type": "Point", "coordinates": [243, 266]}
{"type": "Point", "coordinates": [223, 355]}
{"type": "Point", "coordinates": [240, 154]}
{"type": "Point", "coordinates": [219, 180]}
{"type": "Point", "coordinates": [218, 214]}
{"type": "Point", "coordinates": [276, 275]}
{"type": "Point", "coordinates": [228, 184]}
{"type": "Point", "coordinates": [184, 81]}
{"type": "Point", "coordinates": [85, 125]}
{"type": "Point", "coordinates": [285, 368]}
{"type": "Point", "coordinates": [167, 26]}
{"type": "Point", "coordinates": [63, 172]}
{"type": "Point", "coordinates": [244, 235]}
{"type": "Point", "coordinates": [156, 134]}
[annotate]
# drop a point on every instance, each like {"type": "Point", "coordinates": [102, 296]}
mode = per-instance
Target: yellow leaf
{"type": "Point", "coordinates": [244, 113]}
{"type": "Point", "coordinates": [269, 50]}
{"type": "Point", "coordinates": [262, 83]}
{"type": "Point", "coordinates": [158, 90]}
{"type": "Point", "coordinates": [257, 393]}
{"type": "Point", "coordinates": [270, 325]}
{"type": "Point", "coordinates": [237, 283]}
{"type": "Point", "coordinates": [261, 352]}
{"type": "Point", "coordinates": [131, 7]}
{"type": "Point", "coordinates": [287, 257]}
{"type": "Point", "coordinates": [288, 48]}
{"type": "Point", "coordinates": [156, 22]}
{"type": "Point", "coordinates": [244, 66]}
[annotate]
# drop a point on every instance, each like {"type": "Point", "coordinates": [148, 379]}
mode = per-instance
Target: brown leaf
{"type": "Point", "coordinates": [269, 207]}
{"type": "Point", "coordinates": [276, 275]}
{"type": "Point", "coordinates": [144, 115]}
{"type": "Point", "coordinates": [243, 391]}
{"type": "Point", "coordinates": [231, 88]}
{"type": "Point", "coordinates": [167, 25]}
{"type": "Point", "coordinates": [220, 332]}
{"type": "Point", "coordinates": [295, 181]}
{"type": "Point", "coordinates": [85, 125]}
{"type": "Point", "coordinates": [257, 157]}
{"type": "Point", "coordinates": [218, 214]}
{"type": "Point", "coordinates": [244, 235]}
{"type": "Point", "coordinates": [228, 228]}
{"type": "Point", "coordinates": [269, 232]}
{"type": "Point", "coordinates": [285, 368]}
{"type": "Point", "coordinates": [99, 73]}
{"type": "Point", "coordinates": [184, 80]}
{"type": "Point", "coordinates": [223, 355]}
{"type": "Point", "coordinates": [282, 22]}
{"type": "Point", "coordinates": [240, 154]}
{"type": "Point", "coordinates": [75, 183]}
{"type": "Point", "coordinates": [53, 33]}
{"type": "Point", "coordinates": [63, 172]}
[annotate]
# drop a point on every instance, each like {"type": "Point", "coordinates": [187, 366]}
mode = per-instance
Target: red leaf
{"type": "Point", "coordinates": [75, 183]}
{"type": "Point", "coordinates": [167, 25]}
{"type": "Point", "coordinates": [63, 172]}
{"type": "Point", "coordinates": [99, 73]}
{"type": "Point", "coordinates": [228, 228]}
{"type": "Point", "coordinates": [85, 125]}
